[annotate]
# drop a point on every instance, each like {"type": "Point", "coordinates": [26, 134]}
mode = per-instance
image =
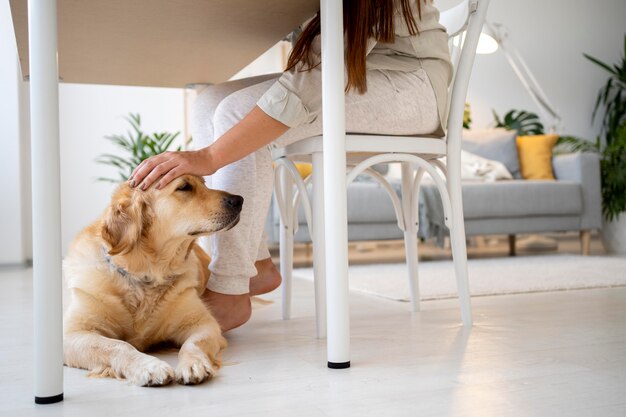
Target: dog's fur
{"type": "Point", "coordinates": [136, 276]}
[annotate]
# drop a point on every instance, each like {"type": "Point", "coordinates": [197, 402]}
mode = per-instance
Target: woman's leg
{"type": "Point", "coordinates": [203, 109]}
{"type": "Point", "coordinates": [396, 103]}
{"type": "Point", "coordinates": [235, 252]}
{"type": "Point", "coordinates": [202, 130]}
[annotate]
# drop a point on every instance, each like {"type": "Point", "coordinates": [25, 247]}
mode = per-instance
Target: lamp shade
{"type": "Point", "coordinates": [486, 44]}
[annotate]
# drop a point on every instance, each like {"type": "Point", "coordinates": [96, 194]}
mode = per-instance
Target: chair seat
{"type": "Point", "coordinates": [359, 146]}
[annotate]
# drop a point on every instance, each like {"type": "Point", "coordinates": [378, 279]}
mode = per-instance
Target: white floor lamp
{"type": "Point", "coordinates": [496, 36]}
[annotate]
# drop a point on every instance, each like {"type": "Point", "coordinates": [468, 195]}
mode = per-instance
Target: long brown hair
{"type": "Point", "coordinates": [362, 19]}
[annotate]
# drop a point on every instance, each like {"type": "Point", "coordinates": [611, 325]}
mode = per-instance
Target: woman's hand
{"type": "Point", "coordinates": [170, 165]}
{"type": "Point", "coordinates": [255, 130]}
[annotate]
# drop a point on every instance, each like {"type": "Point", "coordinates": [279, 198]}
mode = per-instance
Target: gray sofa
{"type": "Point", "coordinates": [572, 202]}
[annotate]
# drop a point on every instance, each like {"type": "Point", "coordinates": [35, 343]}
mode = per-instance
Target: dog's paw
{"type": "Point", "coordinates": [195, 370]}
{"type": "Point", "coordinates": [150, 372]}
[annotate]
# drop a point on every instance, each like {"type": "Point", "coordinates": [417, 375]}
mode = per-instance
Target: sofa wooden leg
{"type": "Point", "coordinates": [511, 245]}
{"type": "Point", "coordinates": [585, 242]}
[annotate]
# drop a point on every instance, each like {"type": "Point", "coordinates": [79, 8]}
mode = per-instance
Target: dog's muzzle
{"type": "Point", "coordinates": [234, 203]}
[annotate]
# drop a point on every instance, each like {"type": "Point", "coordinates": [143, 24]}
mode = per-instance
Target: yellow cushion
{"type": "Point", "coordinates": [535, 156]}
{"type": "Point", "coordinates": [304, 169]}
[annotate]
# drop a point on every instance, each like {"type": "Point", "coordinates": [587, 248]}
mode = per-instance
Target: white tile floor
{"type": "Point", "coordinates": [546, 354]}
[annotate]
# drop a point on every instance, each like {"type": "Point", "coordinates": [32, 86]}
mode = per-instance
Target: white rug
{"type": "Point", "coordinates": [510, 275]}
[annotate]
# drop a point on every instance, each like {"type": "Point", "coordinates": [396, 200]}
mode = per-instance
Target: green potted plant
{"type": "Point", "coordinates": [467, 116]}
{"type": "Point", "coordinates": [524, 122]}
{"type": "Point", "coordinates": [137, 147]}
{"type": "Point", "coordinates": [611, 145]}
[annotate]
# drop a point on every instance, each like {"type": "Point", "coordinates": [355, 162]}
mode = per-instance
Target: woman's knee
{"type": "Point", "coordinates": [231, 110]}
{"type": "Point", "coordinates": [202, 112]}
{"type": "Point", "coordinates": [208, 99]}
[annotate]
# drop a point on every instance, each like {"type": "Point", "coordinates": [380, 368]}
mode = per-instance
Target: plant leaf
{"type": "Point", "coordinates": [137, 147]}
{"type": "Point", "coordinates": [169, 141]}
{"type": "Point", "coordinates": [600, 63]}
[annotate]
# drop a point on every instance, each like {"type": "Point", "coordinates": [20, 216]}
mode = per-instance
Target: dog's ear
{"type": "Point", "coordinates": [126, 220]}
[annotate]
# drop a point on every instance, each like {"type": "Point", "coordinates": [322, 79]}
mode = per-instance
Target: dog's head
{"type": "Point", "coordinates": [185, 208]}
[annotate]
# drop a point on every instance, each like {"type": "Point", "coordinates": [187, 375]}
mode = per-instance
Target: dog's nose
{"type": "Point", "coordinates": [233, 202]}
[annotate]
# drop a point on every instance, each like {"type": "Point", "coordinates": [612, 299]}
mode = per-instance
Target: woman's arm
{"type": "Point", "coordinates": [254, 131]}
{"type": "Point", "coordinates": [293, 100]}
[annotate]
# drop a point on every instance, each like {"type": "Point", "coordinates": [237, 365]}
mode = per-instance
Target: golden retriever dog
{"type": "Point", "coordinates": [136, 276]}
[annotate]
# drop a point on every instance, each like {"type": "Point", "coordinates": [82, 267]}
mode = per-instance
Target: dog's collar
{"type": "Point", "coordinates": [123, 272]}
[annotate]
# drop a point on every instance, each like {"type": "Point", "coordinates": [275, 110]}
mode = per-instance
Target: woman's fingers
{"type": "Point", "coordinates": [139, 168]}
{"type": "Point", "coordinates": [134, 173]}
{"type": "Point", "coordinates": [168, 166]}
{"type": "Point", "coordinates": [172, 174]}
{"type": "Point", "coordinates": [147, 165]}
{"type": "Point", "coordinates": [149, 170]}
{"type": "Point", "coordinates": [154, 172]}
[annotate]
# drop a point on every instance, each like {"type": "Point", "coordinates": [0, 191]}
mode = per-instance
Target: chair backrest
{"type": "Point", "coordinates": [464, 22]}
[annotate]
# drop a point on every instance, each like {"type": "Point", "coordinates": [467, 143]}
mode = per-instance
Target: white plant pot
{"type": "Point", "coordinates": [614, 235]}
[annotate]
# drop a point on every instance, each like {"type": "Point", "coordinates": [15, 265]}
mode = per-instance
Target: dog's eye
{"type": "Point", "coordinates": [185, 187]}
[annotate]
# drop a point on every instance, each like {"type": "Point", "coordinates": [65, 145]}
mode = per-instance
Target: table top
{"type": "Point", "coordinates": [162, 43]}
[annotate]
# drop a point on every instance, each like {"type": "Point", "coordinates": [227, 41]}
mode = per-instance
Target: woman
{"type": "Point", "coordinates": [398, 71]}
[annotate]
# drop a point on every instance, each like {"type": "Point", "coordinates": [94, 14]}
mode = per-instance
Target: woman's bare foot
{"type": "Point", "coordinates": [267, 279]}
{"type": "Point", "coordinates": [230, 311]}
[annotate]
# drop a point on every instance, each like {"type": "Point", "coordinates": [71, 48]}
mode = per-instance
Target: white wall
{"type": "Point", "coordinates": [25, 167]}
{"type": "Point", "coordinates": [12, 246]}
{"type": "Point", "coordinates": [271, 61]}
{"type": "Point", "coordinates": [551, 36]}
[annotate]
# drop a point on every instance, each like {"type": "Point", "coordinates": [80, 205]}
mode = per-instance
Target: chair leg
{"type": "Point", "coordinates": [410, 234]}
{"type": "Point", "coordinates": [585, 242]}
{"type": "Point", "coordinates": [286, 240]}
{"type": "Point", "coordinates": [319, 262]}
{"type": "Point", "coordinates": [459, 249]}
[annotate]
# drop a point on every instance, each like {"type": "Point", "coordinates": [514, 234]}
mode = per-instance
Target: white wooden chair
{"type": "Point", "coordinates": [417, 155]}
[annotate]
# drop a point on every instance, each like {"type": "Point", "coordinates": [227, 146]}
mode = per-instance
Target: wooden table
{"type": "Point", "coordinates": [167, 43]}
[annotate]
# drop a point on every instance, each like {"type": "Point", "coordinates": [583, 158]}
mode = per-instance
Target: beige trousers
{"type": "Point", "coordinates": [396, 103]}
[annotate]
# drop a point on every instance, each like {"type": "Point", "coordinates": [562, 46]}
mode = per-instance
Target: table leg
{"type": "Point", "coordinates": [335, 201]}
{"type": "Point", "coordinates": [47, 291]}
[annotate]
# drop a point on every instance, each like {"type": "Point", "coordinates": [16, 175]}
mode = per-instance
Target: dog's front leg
{"type": "Point", "coordinates": [201, 342]}
{"type": "Point", "coordinates": [198, 359]}
{"type": "Point", "coordinates": [111, 357]}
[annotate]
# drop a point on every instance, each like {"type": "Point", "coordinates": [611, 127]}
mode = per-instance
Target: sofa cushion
{"type": "Point", "coordinates": [521, 198]}
{"type": "Point", "coordinates": [497, 144]}
{"type": "Point", "coordinates": [535, 156]}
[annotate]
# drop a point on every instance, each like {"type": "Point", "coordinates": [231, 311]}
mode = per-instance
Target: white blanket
{"type": "Point", "coordinates": [477, 168]}
{"type": "Point", "coordinates": [473, 168]}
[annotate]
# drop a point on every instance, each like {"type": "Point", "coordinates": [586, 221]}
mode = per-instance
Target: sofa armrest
{"type": "Point", "coordinates": [583, 168]}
